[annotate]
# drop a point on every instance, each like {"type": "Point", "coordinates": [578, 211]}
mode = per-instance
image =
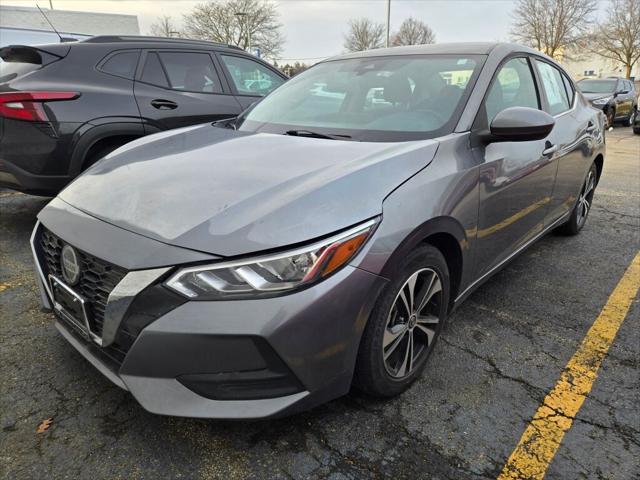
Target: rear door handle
{"type": "Point", "coordinates": [163, 104]}
{"type": "Point", "coordinates": [549, 149]}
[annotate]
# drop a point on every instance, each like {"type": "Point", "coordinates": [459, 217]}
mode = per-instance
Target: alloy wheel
{"type": "Point", "coordinates": [412, 323]}
{"type": "Point", "coordinates": [586, 196]}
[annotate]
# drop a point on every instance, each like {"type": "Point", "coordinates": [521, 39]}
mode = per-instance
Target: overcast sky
{"type": "Point", "coordinates": [315, 29]}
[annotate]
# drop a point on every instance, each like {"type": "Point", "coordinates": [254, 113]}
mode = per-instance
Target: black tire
{"type": "Point", "coordinates": [632, 117]}
{"type": "Point", "coordinates": [96, 154]}
{"type": "Point", "coordinates": [578, 217]}
{"type": "Point", "coordinates": [372, 374]}
{"type": "Point", "coordinates": [610, 117]}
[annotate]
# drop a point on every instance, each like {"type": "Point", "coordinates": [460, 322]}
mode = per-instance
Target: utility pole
{"type": "Point", "coordinates": [388, 21]}
{"type": "Point", "coordinates": [51, 4]}
{"type": "Point", "coordinates": [245, 16]}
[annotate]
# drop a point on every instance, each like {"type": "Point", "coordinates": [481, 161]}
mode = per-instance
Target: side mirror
{"type": "Point", "coordinates": [520, 124]}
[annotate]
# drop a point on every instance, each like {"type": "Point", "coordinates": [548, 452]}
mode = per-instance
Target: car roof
{"type": "Point", "coordinates": [155, 42]}
{"type": "Point", "coordinates": [462, 48]}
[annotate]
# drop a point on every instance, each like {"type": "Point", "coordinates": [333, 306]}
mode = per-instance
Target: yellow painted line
{"type": "Point", "coordinates": [513, 218]}
{"type": "Point", "coordinates": [543, 435]}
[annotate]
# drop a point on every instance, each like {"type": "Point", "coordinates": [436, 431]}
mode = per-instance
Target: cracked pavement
{"type": "Point", "coordinates": [499, 355]}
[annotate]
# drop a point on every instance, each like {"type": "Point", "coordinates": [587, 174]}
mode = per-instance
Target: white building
{"type": "Point", "coordinates": [596, 66]}
{"type": "Point", "coordinates": [27, 26]}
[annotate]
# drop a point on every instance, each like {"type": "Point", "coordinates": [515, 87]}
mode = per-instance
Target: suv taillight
{"type": "Point", "coordinates": [28, 105]}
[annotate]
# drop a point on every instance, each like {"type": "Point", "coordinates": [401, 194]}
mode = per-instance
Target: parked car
{"type": "Point", "coordinates": [262, 269]}
{"type": "Point", "coordinates": [616, 97]}
{"type": "Point", "coordinates": [64, 106]}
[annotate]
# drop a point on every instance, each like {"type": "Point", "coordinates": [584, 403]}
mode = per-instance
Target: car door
{"type": "Point", "coordinates": [571, 139]}
{"type": "Point", "coordinates": [250, 79]}
{"type": "Point", "coordinates": [179, 88]}
{"type": "Point", "coordinates": [515, 178]}
{"type": "Point", "coordinates": [623, 100]}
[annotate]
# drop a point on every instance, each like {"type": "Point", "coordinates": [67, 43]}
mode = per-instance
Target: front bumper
{"type": "Point", "coordinates": [276, 355]}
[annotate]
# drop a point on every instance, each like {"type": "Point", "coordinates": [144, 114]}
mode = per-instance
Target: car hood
{"type": "Point", "coordinates": [595, 96]}
{"type": "Point", "coordinates": [229, 193]}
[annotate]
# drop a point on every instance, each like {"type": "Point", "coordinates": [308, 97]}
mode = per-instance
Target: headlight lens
{"type": "Point", "coordinates": [271, 273]}
{"type": "Point", "coordinates": [601, 101]}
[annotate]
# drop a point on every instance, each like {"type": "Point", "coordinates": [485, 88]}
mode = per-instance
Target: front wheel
{"type": "Point", "coordinates": [404, 325]}
{"type": "Point", "coordinates": [632, 117]}
{"type": "Point", "coordinates": [582, 208]}
{"type": "Point", "coordinates": [610, 117]}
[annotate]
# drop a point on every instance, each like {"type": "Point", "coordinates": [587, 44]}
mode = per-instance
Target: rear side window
{"type": "Point", "coordinates": [553, 88]}
{"type": "Point", "coordinates": [191, 72]}
{"type": "Point", "coordinates": [249, 77]}
{"type": "Point", "coordinates": [122, 64]}
{"type": "Point", "coordinates": [153, 73]}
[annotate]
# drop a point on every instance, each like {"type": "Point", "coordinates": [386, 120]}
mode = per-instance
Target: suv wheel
{"type": "Point", "coordinates": [582, 208]}
{"type": "Point", "coordinates": [610, 117]}
{"type": "Point", "coordinates": [632, 117]}
{"type": "Point", "coordinates": [404, 325]}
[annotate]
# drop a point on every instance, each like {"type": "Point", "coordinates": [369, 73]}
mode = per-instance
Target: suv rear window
{"type": "Point", "coordinates": [122, 64]}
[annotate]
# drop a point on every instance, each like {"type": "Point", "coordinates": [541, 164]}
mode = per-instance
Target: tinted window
{"type": "Point", "coordinates": [153, 73]}
{"type": "Point", "coordinates": [597, 86]}
{"type": "Point", "coordinates": [513, 87]}
{"type": "Point", "coordinates": [121, 64]}
{"type": "Point", "coordinates": [628, 86]}
{"type": "Point", "coordinates": [249, 77]}
{"type": "Point", "coordinates": [553, 88]}
{"type": "Point", "coordinates": [192, 72]}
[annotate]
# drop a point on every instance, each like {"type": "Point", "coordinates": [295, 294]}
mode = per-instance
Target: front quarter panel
{"type": "Point", "coordinates": [443, 198]}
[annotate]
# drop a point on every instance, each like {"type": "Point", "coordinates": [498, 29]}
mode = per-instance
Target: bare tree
{"type": "Point", "coordinates": [364, 35]}
{"type": "Point", "coordinates": [413, 32]}
{"type": "Point", "coordinates": [238, 22]}
{"type": "Point", "coordinates": [555, 27]}
{"type": "Point", "coordinates": [164, 27]}
{"type": "Point", "coordinates": [618, 38]}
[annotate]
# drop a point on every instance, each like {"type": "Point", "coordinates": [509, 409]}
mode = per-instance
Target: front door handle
{"type": "Point", "coordinates": [549, 149]}
{"type": "Point", "coordinates": [161, 104]}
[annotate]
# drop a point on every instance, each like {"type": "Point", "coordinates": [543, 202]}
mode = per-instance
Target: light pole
{"type": "Point", "coordinates": [245, 15]}
{"type": "Point", "coordinates": [388, 21]}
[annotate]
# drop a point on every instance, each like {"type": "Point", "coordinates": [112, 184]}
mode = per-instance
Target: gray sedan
{"type": "Point", "coordinates": [263, 265]}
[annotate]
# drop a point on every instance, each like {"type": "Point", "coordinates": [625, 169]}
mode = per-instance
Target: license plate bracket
{"type": "Point", "coordinates": [70, 306]}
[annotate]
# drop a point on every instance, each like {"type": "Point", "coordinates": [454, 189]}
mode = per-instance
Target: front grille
{"type": "Point", "coordinates": [97, 277]}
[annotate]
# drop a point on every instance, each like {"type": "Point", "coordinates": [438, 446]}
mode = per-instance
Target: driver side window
{"type": "Point", "coordinates": [514, 86]}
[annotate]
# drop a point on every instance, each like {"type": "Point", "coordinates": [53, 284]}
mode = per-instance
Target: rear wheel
{"type": "Point", "coordinates": [582, 208]}
{"type": "Point", "coordinates": [404, 325]}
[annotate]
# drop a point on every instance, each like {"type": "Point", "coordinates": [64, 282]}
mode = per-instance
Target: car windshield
{"type": "Point", "coordinates": [597, 86]}
{"type": "Point", "coordinates": [393, 98]}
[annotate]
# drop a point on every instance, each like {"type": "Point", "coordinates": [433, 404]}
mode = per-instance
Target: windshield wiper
{"type": "Point", "coordinates": [309, 133]}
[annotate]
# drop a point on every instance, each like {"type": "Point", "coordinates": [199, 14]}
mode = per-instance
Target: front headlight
{"type": "Point", "coordinates": [601, 101]}
{"type": "Point", "coordinates": [271, 273]}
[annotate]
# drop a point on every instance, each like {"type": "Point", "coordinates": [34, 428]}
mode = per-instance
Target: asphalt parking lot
{"type": "Point", "coordinates": [500, 355]}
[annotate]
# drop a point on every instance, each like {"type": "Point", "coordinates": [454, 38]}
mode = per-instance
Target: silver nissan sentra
{"type": "Point", "coordinates": [265, 264]}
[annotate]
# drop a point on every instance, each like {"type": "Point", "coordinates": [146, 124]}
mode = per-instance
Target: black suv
{"type": "Point", "coordinates": [65, 106]}
{"type": "Point", "coordinates": [615, 96]}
